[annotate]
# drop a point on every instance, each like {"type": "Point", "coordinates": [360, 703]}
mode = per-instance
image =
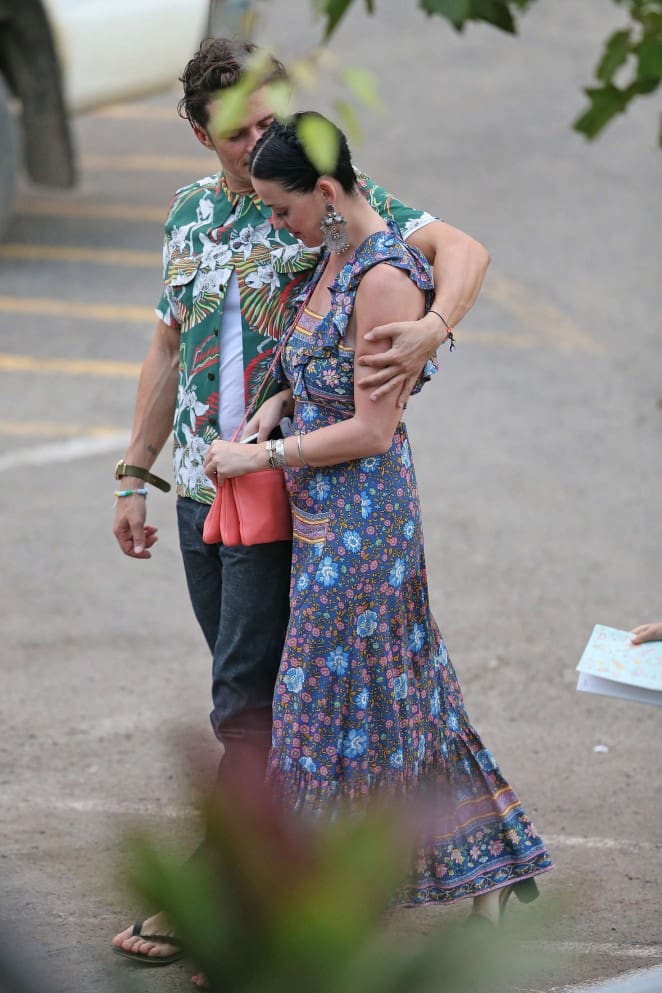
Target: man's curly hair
{"type": "Point", "coordinates": [218, 64]}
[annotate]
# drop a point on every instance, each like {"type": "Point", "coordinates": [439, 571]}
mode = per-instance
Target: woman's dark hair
{"type": "Point", "coordinates": [281, 156]}
{"type": "Point", "coordinates": [218, 64]}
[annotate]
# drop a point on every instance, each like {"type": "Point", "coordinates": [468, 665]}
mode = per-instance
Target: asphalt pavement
{"type": "Point", "coordinates": [537, 447]}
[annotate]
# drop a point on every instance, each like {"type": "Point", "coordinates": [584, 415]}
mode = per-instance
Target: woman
{"type": "Point", "coordinates": [367, 700]}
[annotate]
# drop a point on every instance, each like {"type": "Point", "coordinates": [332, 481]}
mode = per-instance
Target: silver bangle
{"type": "Point", "coordinates": [300, 452]}
{"type": "Point", "coordinates": [276, 453]}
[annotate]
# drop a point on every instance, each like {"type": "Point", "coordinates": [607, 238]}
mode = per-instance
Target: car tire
{"type": "Point", "coordinates": [10, 161]}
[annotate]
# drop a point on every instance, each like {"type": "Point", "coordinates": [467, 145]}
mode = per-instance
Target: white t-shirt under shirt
{"type": "Point", "coordinates": [231, 363]}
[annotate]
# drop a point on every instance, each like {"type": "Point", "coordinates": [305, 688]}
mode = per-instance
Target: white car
{"type": "Point", "coordinates": [58, 57]}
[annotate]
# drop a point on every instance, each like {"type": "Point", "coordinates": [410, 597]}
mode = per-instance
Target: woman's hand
{"type": "Point", "coordinates": [269, 415]}
{"type": "Point", "coordinates": [646, 632]}
{"type": "Point", "coordinates": [226, 459]}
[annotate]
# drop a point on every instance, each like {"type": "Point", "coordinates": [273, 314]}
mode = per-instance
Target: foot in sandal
{"type": "Point", "coordinates": [150, 942]}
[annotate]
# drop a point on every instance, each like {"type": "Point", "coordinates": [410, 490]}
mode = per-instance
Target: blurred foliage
{"type": "Point", "coordinates": [630, 65]}
{"type": "Point", "coordinates": [305, 75]}
{"type": "Point", "coordinates": [459, 12]}
{"type": "Point", "coordinates": [278, 903]}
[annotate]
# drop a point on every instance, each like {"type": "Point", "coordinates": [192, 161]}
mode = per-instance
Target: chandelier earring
{"type": "Point", "coordinates": [334, 229]}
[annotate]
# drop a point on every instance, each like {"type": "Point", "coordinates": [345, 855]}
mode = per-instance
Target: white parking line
{"type": "Point", "coordinates": [634, 981]}
{"type": "Point", "coordinates": [616, 950]}
{"type": "Point", "coordinates": [577, 841]}
{"type": "Point", "coordinates": [102, 806]}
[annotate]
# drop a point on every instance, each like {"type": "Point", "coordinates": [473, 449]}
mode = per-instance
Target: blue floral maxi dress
{"type": "Point", "coordinates": [367, 699]}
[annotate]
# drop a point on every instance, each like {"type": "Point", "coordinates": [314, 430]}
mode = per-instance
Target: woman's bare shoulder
{"type": "Point", "coordinates": [385, 278]}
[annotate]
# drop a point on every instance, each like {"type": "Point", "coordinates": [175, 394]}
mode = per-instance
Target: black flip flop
{"type": "Point", "coordinates": [164, 939]}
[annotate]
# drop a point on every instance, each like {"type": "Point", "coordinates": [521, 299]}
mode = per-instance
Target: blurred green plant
{"type": "Point", "coordinates": [633, 54]}
{"type": "Point", "coordinates": [305, 74]}
{"type": "Point", "coordinates": [629, 67]}
{"type": "Point", "coordinates": [280, 904]}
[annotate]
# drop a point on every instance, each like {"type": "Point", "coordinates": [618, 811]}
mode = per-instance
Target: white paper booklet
{"type": "Point", "coordinates": [613, 666]}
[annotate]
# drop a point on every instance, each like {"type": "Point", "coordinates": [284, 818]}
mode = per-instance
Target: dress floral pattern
{"type": "Point", "coordinates": [367, 698]}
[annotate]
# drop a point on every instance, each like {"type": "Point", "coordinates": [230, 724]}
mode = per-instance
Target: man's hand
{"type": "Point", "coordinates": [412, 343]}
{"type": "Point", "coordinates": [134, 537]}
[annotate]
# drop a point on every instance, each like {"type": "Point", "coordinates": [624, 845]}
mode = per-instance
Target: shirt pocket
{"type": "Point", "coordinates": [179, 285]}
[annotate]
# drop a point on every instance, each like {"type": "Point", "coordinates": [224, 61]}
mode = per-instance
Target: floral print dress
{"type": "Point", "coordinates": [367, 700]}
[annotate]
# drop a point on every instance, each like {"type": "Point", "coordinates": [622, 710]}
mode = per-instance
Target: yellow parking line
{"type": "Point", "coordinates": [549, 325]}
{"type": "Point", "coordinates": [69, 367]}
{"type": "Point", "coordinates": [138, 112]}
{"type": "Point", "coordinates": [91, 211]}
{"type": "Point", "coordinates": [51, 429]}
{"type": "Point", "coordinates": [508, 339]}
{"type": "Point", "coordinates": [198, 165]}
{"type": "Point", "coordinates": [71, 253]}
{"type": "Point", "coordinates": [80, 311]}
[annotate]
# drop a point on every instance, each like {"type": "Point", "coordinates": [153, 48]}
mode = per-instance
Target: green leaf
{"type": "Point", "coordinates": [606, 103]}
{"type": "Point", "coordinates": [456, 11]}
{"type": "Point", "coordinates": [202, 917]}
{"type": "Point", "coordinates": [320, 140]}
{"type": "Point", "coordinates": [493, 12]}
{"type": "Point", "coordinates": [649, 56]}
{"type": "Point", "coordinates": [349, 120]}
{"type": "Point", "coordinates": [363, 85]}
{"type": "Point", "coordinates": [641, 87]}
{"type": "Point", "coordinates": [334, 11]}
{"type": "Point", "coordinates": [304, 74]}
{"type": "Point", "coordinates": [615, 54]}
{"type": "Point", "coordinates": [228, 110]}
{"type": "Point", "coordinates": [279, 96]}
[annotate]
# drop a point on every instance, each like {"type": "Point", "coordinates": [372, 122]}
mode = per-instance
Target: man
{"type": "Point", "coordinates": [224, 267]}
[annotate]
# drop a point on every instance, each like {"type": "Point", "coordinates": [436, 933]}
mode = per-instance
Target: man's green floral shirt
{"type": "Point", "coordinates": [211, 232]}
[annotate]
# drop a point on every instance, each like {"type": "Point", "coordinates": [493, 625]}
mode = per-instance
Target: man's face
{"type": "Point", "coordinates": [234, 148]}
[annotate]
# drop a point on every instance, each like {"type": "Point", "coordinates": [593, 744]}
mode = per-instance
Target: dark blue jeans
{"type": "Point", "coordinates": [240, 596]}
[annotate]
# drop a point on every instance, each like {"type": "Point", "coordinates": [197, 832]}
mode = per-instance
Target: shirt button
{"type": "Point", "coordinates": [211, 375]}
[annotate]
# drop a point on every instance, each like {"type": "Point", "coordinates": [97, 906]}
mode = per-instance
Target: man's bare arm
{"type": "Point", "coordinates": [459, 264]}
{"type": "Point", "coordinates": [152, 424]}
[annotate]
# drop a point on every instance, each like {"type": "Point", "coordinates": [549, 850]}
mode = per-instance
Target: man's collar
{"type": "Point", "coordinates": [233, 197]}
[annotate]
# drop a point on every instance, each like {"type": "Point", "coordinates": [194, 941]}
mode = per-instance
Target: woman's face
{"type": "Point", "coordinates": [300, 213]}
